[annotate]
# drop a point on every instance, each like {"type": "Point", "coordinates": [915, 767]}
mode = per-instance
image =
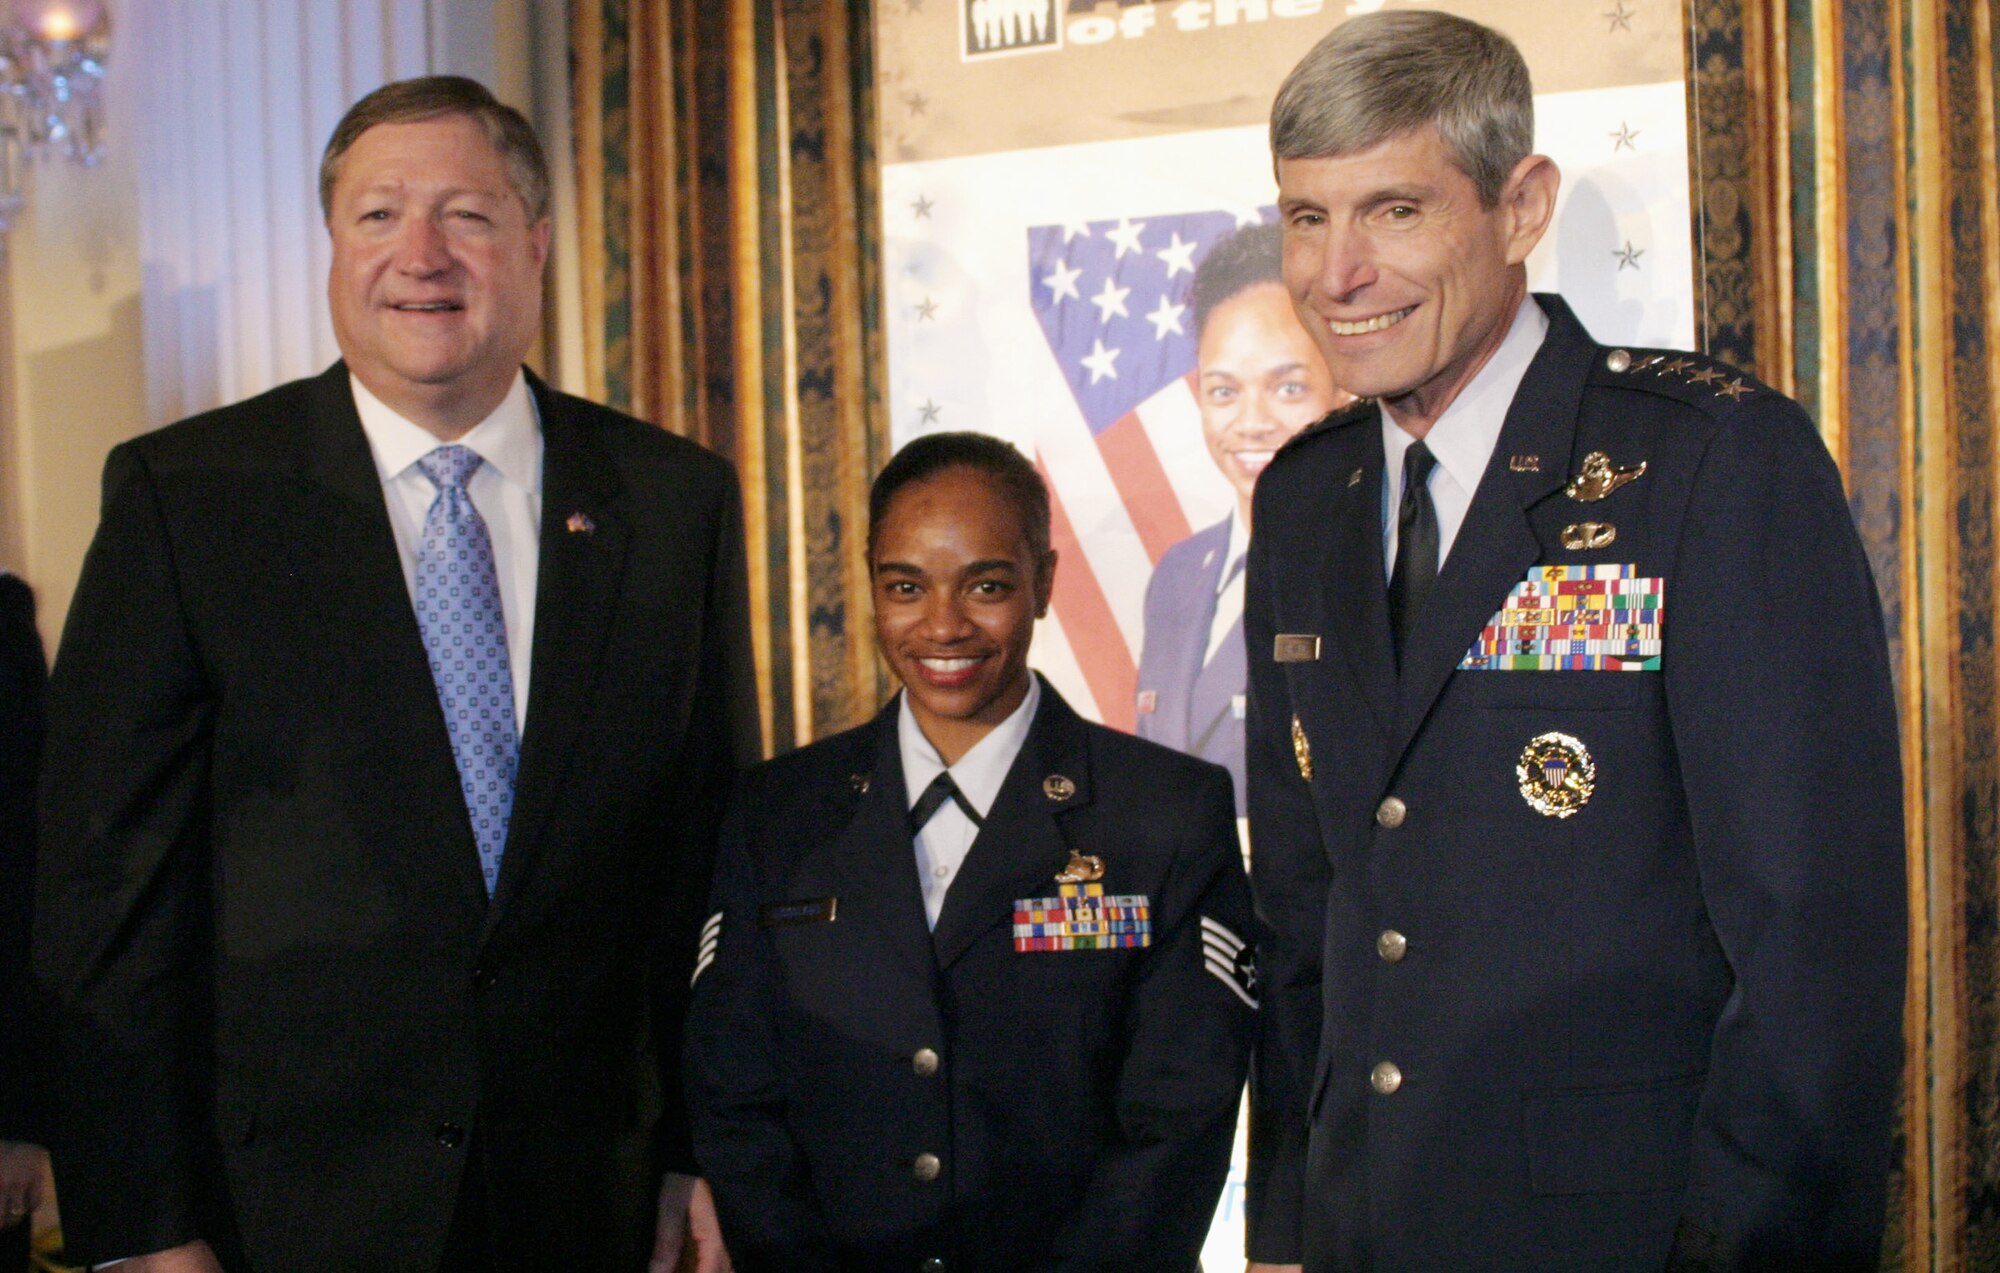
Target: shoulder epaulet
{"type": "Point", "coordinates": [1695, 379]}
{"type": "Point", "coordinates": [1354, 412]}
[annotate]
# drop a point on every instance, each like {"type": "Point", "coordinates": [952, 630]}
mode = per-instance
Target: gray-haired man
{"type": "Point", "coordinates": [1586, 943]}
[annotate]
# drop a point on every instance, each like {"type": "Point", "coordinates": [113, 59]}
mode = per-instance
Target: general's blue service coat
{"type": "Point", "coordinates": [1663, 1030]}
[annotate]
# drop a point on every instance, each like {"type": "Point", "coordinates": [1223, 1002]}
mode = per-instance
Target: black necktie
{"type": "Point", "coordinates": [1416, 545]}
{"type": "Point", "coordinates": [942, 788]}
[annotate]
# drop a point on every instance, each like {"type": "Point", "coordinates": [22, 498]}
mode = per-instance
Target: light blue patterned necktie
{"type": "Point", "coordinates": [465, 634]}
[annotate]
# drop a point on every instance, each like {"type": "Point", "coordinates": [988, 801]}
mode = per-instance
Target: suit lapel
{"type": "Point", "coordinates": [1356, 583]}
{"type": "Point", "coordinates": [878, 856]}
{"type": "Point", "coordinates": [1021, 847]}
{"type": "Point", "coordinates": [356, 584]}
{"type": "Point", "coordinates": [583, 543]}
{"type": "Point", "coordinates": [1496, 543]}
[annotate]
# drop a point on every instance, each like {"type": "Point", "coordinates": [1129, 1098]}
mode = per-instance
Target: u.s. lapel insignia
{"type": "Point", "coordinates": [1082, 868]}
{"type": "Point", "coordinates": [1556, 774]}
{"type": "Point", "coordinates": [859, 782]}
{"type": "Point", "coordinates": [1588, 536]}
{"type": "Point", "coordinates": [580, 524]}
{"type": "Point", "coordinates": [1302, 749]}
{"type": "Point", "coordinates": [1524, 463]}
{"type": "Point", "coordinates": [1354, 479]}
{"type": "Point", "coordinates": [1599, 479]}
{"type": "Point", "coordinates": [1058, 787]}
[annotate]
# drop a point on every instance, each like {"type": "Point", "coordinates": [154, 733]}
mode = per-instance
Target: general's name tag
{"type": "Point", "coordinates": [1081, 917]}
{"type": "Point", "coordinates": [816, 910]}
{"type": "Point", "coordinates": [1295, 647]}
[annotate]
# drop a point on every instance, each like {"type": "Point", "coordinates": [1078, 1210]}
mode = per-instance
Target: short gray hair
{"type": "Point", "coordinates": [1378, 76]}
{"type": "Point", "coordinates": [428, 97]}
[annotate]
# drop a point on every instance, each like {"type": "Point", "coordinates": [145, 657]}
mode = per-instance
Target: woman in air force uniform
{"type": "Point", "coordinates": [977, 993]}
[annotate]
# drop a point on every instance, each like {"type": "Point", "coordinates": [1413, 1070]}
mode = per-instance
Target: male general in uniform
{"type": "Point", "coordinates": [1574, 781]}
{"type": "Point", "coordinates": [385, 748]}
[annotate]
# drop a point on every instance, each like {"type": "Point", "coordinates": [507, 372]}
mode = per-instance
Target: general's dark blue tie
{"type": "Point", "coordinates": [465, 634]}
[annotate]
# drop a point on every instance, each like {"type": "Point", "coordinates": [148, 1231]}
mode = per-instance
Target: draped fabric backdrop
{"type": "Point", "coordinates": [725, 183]}
{"type": "Point", "coordinates": [1848, 232]}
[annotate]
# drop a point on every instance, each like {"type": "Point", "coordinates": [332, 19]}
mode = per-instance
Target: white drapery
{"type": "Point", "coordinates": [237, 98]}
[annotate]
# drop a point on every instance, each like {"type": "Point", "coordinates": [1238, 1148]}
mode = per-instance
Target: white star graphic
{"type": "Point", "coordinates": [1063, 282]}
{"type": "Point", "coordinates": [1179, 256]}
{"type": "Point", "coordinates": [1126, 236]}
{"type": "Point", "coordinates": [1110, 300]}
{"type": "Point", "coordinates": [1100, 361]}
{"type": "Point", "coordinates": [1248, 215]}
{"type": "Point", "coordinates": [1075, 228]}
{"type": "Point", "coordinates": [1166, 317]}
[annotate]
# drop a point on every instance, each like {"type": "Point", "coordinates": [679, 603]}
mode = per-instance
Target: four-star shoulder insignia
{"type": "Point", "coordinates": [1670, 370]}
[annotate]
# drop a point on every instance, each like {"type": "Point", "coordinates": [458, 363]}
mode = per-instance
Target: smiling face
{"type": "Point", "coordinates": [1403, 278]}
{"type": "Point", "coordinates": [957, 591]}
{"type": "Point", "coordinates": [1259, 381]}
{"type": "Point", "coordinates": [436, 286]}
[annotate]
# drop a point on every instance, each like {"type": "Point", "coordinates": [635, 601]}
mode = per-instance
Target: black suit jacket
{"type": "Point", "coordinates": [287, 1007]}
{"type": "Point", "coordinates": [1080, 1103]}
{"type": "Point", "coordinates": [1664, 1031]}
{"type": "Point", "coordinates": [22, 672]}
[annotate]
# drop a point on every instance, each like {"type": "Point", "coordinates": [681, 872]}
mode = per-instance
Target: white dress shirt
{"type": "Point", "coordinates": [944, 841]}
{"type": "Point", "coordinates": [1229, 585]}
{"type": "Point", "coordinates": [1463, 437]}
{"type": "Point", "coordinates": [506, 489]}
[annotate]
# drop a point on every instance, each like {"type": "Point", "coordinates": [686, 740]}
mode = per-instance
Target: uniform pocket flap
{"type": "Point", "coordinates": [1628, 1139]}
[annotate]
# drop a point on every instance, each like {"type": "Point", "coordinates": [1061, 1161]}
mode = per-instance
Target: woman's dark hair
{"type": "Point", "coordinates": [1011, 473]}
{"type": "Point", "coordinates": [1252, 255]}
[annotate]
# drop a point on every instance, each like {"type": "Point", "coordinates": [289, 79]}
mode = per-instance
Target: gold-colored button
{"type": "Point", "coordinates": [1391, 812]}
{"type": "Point", "coordinates": [926, 1168]}
{"type": "Point", "coordinates": [1385, 1078]}
{"type": "Point", "coordinates": [925, 1063]}
{"type": "Point", "coordinates": [1392, 945]}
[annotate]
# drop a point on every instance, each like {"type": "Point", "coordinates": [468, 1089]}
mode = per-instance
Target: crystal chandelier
{"type": "Point", "coordinates": [52, 56]}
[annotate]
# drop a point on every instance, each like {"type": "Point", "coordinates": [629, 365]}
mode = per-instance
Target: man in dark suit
{"type": "Point", "coordinates": [23, 1161]}
{"type": "Point", "coordinates": [1591, 954]}
{"type": "Point", "coordinates": [1258, 381]}
{"type": "Point", "coordinates": [384, 750]}
{"type": "Point", "coordinates": [977, 993]}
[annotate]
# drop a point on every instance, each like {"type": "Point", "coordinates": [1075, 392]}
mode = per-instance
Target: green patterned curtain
{"type": "Point", "coordinates": [1852, 257]}
{"type": "Point", "coordinates": [727, 185]}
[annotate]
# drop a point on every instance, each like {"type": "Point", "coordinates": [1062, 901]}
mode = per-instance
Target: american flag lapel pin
{"type": "Point", "coordinates": [580, 524]}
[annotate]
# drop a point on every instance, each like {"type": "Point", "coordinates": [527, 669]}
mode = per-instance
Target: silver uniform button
{"type": "Point", "coordinates": [1385, 1078]}
{"type": "Point", "coordinates": [1391, 812]}
{"type": "Point", "coordinates": [1392, 945]}
{"type": "Point", "coordinates": [925, 1063]}
{"type": "Point", "coordinates": [1618, 361]}
{"type": "Point", "coordinates": [926, 1168]}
